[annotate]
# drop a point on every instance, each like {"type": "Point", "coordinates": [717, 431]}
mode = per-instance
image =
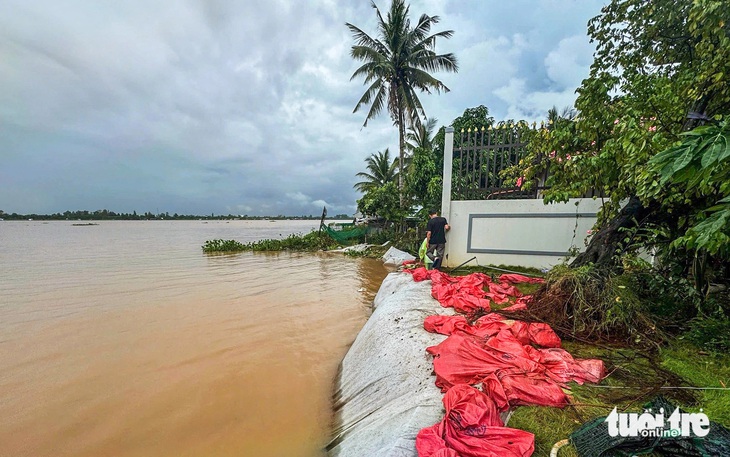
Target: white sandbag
{"type": "Point", "coordinates": [396, 257]}
{"type": "Point", "coordinates": [355, 248]}
{"type": "Point", "coordinates": [385, 391]}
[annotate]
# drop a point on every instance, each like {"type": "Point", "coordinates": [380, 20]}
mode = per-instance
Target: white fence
{"type": "Point", "coordinates": [512, 232]}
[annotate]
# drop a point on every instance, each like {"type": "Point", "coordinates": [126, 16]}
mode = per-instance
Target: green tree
{"type": "Point", "coordinates": [661, 68]}
{"type": "Point", "coordinates": [381, 171]}
{"type": "Point", "coordinates": [421, 135]}
{"type": "Point", "coordinates": [699, 169]}
{"type": "Point", "coordinates": [383, 202]}
{"type": "Point", "coordinates": [424, 178]}
{"type": "Point", "coordinates": [472, 118]}
{"type": "Point", "coordinates": [397, 63]}
{"type": "Point", "coordinates": [424, 172]}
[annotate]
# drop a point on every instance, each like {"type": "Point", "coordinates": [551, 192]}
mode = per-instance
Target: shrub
{"type": "Point", "coordinates": [584, 304]}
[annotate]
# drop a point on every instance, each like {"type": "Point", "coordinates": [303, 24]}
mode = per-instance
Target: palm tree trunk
{"type": "Point", "coordinates": [401, 135]}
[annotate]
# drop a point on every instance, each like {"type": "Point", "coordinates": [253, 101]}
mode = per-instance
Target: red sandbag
{"type": "Point", "coordinates": [487, 325]}
{"type": "Point", "coordinates": [530, 389]}
{"type": "Point", "coordinates": [504, 289]}
{"type": "Point", "coordinates": [419, 274]}
{"type": "Point", "coordinates": [516, 279]}
{"type": "Point", "coordinates": [535, 333]}
{"type": "Point", "coordinates": [465, 359]}
{"type": "Point", "coordinates": [515, 307]}
{"type": "Point", "coordinates": [493, 388]}
{"type": "Point", "coordinates": [526, 375]}
{"type": "Point", "coordinates": [465, 303]}
{"type": "Point", "coordinates": [464, 294]}
{"type": "Point", "coordinates": [562, 367]}
{"type": "Point", "coordinates": [520, 304]}
{"type": "Point", "coordinates": [499, 353]}
{"type": "Point", "coordinates": [491, 324]}
{"type": "Point", "coordinates": [472, 428]}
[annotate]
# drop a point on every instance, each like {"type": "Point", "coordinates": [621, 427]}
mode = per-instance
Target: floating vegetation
{"type": "Point", "coordinates": [313, 241]}
{"type": "Point", "coordinates": [223, 246]}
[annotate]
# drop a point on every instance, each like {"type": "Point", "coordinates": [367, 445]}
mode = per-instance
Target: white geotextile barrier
{"type": "Point", "coordinates": [396, 257]}
{"type": "Point", "coordinates": [386, 392]}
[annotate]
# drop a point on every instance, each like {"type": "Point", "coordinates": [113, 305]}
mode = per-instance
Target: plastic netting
{"type": "Point", "coordinates": [348, 232]}
{"type": "Point", "coordinates": [593, 440]}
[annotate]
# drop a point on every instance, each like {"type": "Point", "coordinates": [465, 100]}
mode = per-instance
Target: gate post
{"type": "Point", "coordinates": [446, 183]}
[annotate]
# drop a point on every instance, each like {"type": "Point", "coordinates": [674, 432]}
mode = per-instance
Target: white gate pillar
{"type": "Point", "coordinates": [446, 183]}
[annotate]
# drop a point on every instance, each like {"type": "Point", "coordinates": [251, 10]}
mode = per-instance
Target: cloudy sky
{"type": "Point", "coordinates": [241, 107]}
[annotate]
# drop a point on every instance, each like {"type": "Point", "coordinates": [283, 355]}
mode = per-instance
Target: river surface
{"type": "Point", "coordinates": [124, 339]}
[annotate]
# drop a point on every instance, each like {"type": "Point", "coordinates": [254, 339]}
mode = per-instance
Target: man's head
{"type": "Point", "coordinates": [433, 212]}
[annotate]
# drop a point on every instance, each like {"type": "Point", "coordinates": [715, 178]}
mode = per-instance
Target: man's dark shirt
{"type": "Point", "coordinates": [436, 227]}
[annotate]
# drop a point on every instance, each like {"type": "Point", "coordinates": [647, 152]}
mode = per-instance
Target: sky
{"type": "Point", "coordinates": [242, 107]}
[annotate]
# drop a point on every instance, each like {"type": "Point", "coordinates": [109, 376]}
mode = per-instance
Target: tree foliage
{"type": "Point", "coordinates": [698, 167]}
{"type": "Point", "coordinates": [661, 68]}
{"type": "Point", "coordinates": [382, 202]}
{"type": "Point", "coordinates": [421, 135]}
{"type": "Point", "coordinates": [380, 171]}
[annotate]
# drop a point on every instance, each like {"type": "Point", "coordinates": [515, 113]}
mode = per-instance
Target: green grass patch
{"type": "Point", "coordinates": [496, 270]}
{"type": "Point", "coordinates": [527, 288]}
{"type": "Point", "coordinates": [702, 369]}
{"type": "Point", "coordinates": [635, 378]}
{"type": "Point", "coordinates": [710, 333]}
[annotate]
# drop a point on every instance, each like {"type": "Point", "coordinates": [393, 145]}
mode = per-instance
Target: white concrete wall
{"type": "Point", "coordinates": [517, 232]}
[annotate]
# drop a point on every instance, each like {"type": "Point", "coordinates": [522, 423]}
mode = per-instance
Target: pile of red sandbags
{"type": "Point", "coordinates": [466, 294]}
{"type": "Point", "coordinates": [501, 354]}
{"type": "Point", "coordinates": [472, 428]}
{"type": "Point", "coordinates": [515, 362]}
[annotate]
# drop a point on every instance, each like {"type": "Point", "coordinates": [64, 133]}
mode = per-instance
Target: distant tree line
{"type": "Point", "coordinates": [104, 214]}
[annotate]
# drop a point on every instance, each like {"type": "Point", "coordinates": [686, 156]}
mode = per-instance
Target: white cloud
{"type": "Point", "coordinates": [211, 106]}
{"type": "Point", "coordinates": [568, 64]}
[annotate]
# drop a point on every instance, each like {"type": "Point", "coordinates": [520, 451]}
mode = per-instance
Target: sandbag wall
{"type": "Point", "coordinates": [385, 390]}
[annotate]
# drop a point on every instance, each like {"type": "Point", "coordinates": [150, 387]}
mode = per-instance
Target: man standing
{"type": "Point", "coordinates": [436, 236]}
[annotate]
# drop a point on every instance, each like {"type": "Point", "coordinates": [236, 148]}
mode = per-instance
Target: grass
{"type": "Point", "coordinates": [496, 270]}
{"type": "Point", "coordinates": [638, 378]}
{"type": "Point", "coordinates": [706, 370]}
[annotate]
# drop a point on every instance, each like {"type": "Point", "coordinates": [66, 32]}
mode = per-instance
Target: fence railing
{"type": "Point", "coordinates": [480, 155]}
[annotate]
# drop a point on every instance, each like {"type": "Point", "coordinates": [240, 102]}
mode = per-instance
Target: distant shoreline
{"type": "Point", "coordinates": [159, 217]}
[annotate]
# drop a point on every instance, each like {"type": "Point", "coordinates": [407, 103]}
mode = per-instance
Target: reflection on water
{"type": "Point", "coordinates": [124, 339]}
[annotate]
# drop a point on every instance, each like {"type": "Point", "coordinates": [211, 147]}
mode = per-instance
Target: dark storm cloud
{"type": "Point", "coordinates": [240, 107]}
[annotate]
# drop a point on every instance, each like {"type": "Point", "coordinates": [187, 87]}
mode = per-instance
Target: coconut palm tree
{"type": "Point", "coordinates": [421, 135]}
{"type": "Point", "coordinates": [381, 170]}
{"type": "Point", "coordinates": [396, 63]}
{"type": "Point", "coordinates": [568, 113]}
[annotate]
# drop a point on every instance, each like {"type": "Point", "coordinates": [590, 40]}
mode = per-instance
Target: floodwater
{"type": "Point", "coordinates": [124, 339]}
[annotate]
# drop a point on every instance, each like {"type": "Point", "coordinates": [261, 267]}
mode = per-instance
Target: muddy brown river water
{"type": "Point", "coordinates": [124, 339]}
